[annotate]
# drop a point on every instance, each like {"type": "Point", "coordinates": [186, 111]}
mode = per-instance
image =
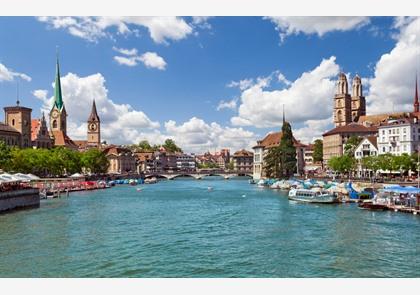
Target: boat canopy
{"type": "Point", "coordinates": [401, 189]}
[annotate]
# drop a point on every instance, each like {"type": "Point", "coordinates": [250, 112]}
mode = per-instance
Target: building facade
{"type": "Point", "coordinates": [9, 135]}
{"type": "Point", "coordinates": [273, 140]}
{"type": "Point", "coordinates": [121, 160]}
{"type": "Point", "coordinates": [19, 118]}
{"type": "Point", "coordinates": [243, 161]}
{"type": "Point", "coordinates": [39, 134]}
{"type": "Point", "coordinates": [335, 139]}
{"type": "Point", "coordinates": [366, 148]}
{"type": "Point", "coordinates": [399, 136]}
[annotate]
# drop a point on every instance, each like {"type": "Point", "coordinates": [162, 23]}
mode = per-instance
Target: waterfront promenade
{"type": "Point", "coordinates": [181, 229]}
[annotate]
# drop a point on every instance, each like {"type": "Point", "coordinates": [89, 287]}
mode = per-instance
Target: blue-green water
{"type": "Point", "coordinates": [180, 229]}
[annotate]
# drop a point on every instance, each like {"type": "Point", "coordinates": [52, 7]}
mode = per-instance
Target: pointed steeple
{"type": "Point", "coordinates": [17, 93]}
{"type": "Point", "coordinates": [416, 99]}
{"type": "Point", "coordinates": [284, 117]}
{"type": "Point", "coordinates": [93, 113]}
{"type": "Point", "coordinates": [58, 98]}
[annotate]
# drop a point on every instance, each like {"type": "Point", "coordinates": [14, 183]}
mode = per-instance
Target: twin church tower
{"type": "Point", "coordinates": [348, 108]}
{"type": "Point", "coordinates": [58, 121]}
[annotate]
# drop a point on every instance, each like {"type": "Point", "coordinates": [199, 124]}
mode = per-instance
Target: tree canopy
{"type": "Point", "coordinates": [318, 151]}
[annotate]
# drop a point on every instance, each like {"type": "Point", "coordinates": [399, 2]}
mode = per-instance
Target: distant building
{"type": "Point", "coordinates": [145, 162]}
{"type": "Point", "coordinates": [94, 128]}
{"type": "Point", "coordinates": [399, 136]}
{"type": "Point", "coordinates": [165, 161]}
{"type": "Point", "coordinates": [273, 140]}
{"type": "Point", "coordinates": [9, 135]}
{"type": "Point", "coordinates": [39, 134]}
{"type": "Point", "coordinates": [185, 163]}
{"type": "Point", "coordinates": [335, 139]}
{"type": "Point", "coordinates": [243, 161]}
{"type": "Point", "coordinates": [19, 118]}
{"type": "Point", "coordinates": [366, 148]}
{"type": "Point", "coordinates": [121, 160]}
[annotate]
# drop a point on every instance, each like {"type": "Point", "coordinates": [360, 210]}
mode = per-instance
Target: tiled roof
{"type": "Point", "coordinates": [81, 143]}
{"type": "Point", "coordinates": [7, 128]}
{"type": "Point", "coordinates": [373, 140]}
{"type": "Point", "coordinates": [243, 153]}
{"type": "Point", "coordinates": [61, 139]}
{"type": "Point", "coordinates": [351, 128]}
{"type": "Point", "coordinates": [381, 118]}
{"type": "Point", "coordinates": [273, 140]}
{"type": "Point", "coordinates": [116, 150]}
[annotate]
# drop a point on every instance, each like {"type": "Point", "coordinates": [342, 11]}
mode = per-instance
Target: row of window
{"type": "Point", "coordinates": [397, 130]}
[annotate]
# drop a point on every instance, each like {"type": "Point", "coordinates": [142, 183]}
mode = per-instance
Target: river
{"type": "Point", "coordinates": [179, 228]}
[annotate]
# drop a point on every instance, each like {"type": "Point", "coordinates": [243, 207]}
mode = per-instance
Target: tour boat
{"type": "Point", "coordinates": [311, 196]}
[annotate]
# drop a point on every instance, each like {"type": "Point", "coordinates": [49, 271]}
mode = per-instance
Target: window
{"type": "Point", "coordinates": [54, 124]}
{"type": "Point", "coordinates": [383, 132]}
{"type": "Point", "coordinates": [404, 148]}
{"type": "Point", "coordinates": [404, 137]}
{"type": "Point", "coordinates": [398, 131]}
{"type": "Point", "coordinates": [389, 131]}
{"type": "Point", "coordinates": [404, 130]}
{"type": "Point", "coordinates": [13, 122]}
{"type": "Point", "coordinates": [383, 149]}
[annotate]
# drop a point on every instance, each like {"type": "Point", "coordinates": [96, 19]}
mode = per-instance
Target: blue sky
{"type": "Point", "coordinates": [192, 66]}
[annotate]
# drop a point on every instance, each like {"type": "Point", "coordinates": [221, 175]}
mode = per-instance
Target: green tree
{"type": "Point", "coordinates": [170, 146]}
{"type": "Point", "coordinates": [5, 156]}
{"type": "Point", "coordinates": [272, 162]}
{"type": "Point", "coordinates": [288, 151]}
{"type": "Point", "coordinates": [318, 151]}
{"type": "Point", "coordinates": [351, 145]}
{"type": "Point", "coordinates": [342, 164]}
{"type": "Point", "coordinates": [404, 163]}
{"type": "Point", "coordinates": [371, 163]}
{"type": "Point", "coordinates": [95, 161]}
{"type": "Point", "coordinates": [144, 146]}
{"type": "Point", "coordinates": [230, 165]}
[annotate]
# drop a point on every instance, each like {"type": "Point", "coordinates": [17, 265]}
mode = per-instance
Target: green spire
{"type": "Point", "coordinates": [58, 98]}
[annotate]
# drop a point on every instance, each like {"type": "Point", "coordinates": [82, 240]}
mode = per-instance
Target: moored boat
{"type": "Point", "coordinates": [312, 196]}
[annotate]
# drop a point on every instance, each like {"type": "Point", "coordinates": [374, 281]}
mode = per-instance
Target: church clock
{"type": "Point", "coordinates": [93, 127]}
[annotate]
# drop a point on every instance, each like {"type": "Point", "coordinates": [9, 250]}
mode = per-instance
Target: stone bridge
{"type": "Point", "coordinates": [197, 175]}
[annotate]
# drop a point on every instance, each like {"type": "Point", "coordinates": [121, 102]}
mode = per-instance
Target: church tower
{"type": "Point", "coordinates": [94, 128]}
{"type": "Point", "coordinates": [58, 114]}
{"type": "Point", "coordinates": [342, 102]}
{"type": "Point", "coordinates": [358, 101]}
{"type": "Point", "coordinates": [19, 118]}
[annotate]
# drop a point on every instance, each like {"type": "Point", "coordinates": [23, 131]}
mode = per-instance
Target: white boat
{"type": "Point", "coordinates": [312, 196]}
{"type": "Point", "coordinates": [261, 183]}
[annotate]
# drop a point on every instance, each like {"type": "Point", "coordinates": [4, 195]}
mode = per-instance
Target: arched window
{"type": "Point", "coordinates": [54, 124]}
{"type": "Point", "coordinates": [339, 115]}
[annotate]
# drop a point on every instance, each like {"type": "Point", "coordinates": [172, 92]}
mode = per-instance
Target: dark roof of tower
{"type": "Point", "coordinates": [94, 113]}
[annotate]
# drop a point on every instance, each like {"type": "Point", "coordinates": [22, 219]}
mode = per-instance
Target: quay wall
{"type": "Point", "coordinates": [21, 199]}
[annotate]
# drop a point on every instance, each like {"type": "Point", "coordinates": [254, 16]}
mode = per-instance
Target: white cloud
{"type": "Point", "coordinates": [152, 60]}
{"type": "Point", "coordinates": [313, 129]}
{"type": "Point", "coordinates": [120, 122]}
{"type": "Point", "coordinates": [9, 75]}
{"type": "Point", "coordinates": [282, 79]}
{"type": "Point", "coordinates": [196, 135]}
{"type": "Point", "coordinates": [242, 84]}
{"type": "Point", "coordinates": [320, 25]}
{"type": "Point", "coordinates": [231, 104]}
{"type": "Point", "coordinates": [392, 87]}
{"type": "Point", "coordinates": [307, 98]}
{"type": "Point", "coordinates": [131, 58]}
{"type": "Point", "coordinates": [125, 51]}
{"type": "Point", "coordinates": [161, 28]}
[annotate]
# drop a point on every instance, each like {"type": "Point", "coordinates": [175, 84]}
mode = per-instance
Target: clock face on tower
{"type": "Point", "coordinates": [92, 127]}
{"type": "Point", "coordinates": [54, 114]}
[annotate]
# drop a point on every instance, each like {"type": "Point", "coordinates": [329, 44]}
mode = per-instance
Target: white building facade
{"type": "Point", "coordinates": [367, 147]}
{"type": "Point", "coordinates": [399, 136]}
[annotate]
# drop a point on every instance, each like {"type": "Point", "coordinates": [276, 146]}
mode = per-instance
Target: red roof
{"type": "Point", "coordinates": [352, 128]}
{"type": "Point", "coordinates": [273, 140]}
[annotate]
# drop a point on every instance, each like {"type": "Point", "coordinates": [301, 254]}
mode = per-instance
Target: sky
{"type": "Point", "coordinates": [206, 82]}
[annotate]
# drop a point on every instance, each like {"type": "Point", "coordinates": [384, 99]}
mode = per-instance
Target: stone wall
{"type": "Point", "coordinates": [26, 198]}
